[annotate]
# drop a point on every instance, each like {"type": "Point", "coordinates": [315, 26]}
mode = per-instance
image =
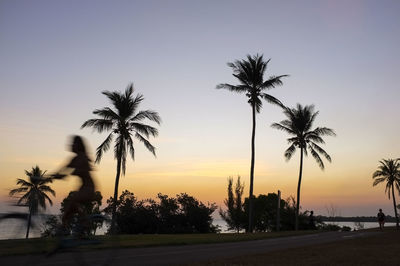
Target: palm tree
{"type": "Point", "coordinates": [250, 74]}
{"type": "Point", "coordinates": [299, 125]}
{"type": "Point", "coordinates": [124, 123]}
{"type": "Point", "coordinates": [389, 172]}
{"type": "Point", "coordinates": [33, 192]}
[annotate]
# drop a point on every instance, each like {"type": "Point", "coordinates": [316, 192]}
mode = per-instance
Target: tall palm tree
{"type": "Point", "coordinates": [33, 192]}
{"type": "Point", "coordinates": [299, 125]}
{"type": "Point", "coordinates": [389, 172]}
{"type": "Point", "coordinates": [250, 74]}
{"type": "Point", "coordinates": [124, 123]}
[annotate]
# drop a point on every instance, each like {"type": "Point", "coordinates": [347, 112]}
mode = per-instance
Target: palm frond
{"type": "Point", "coordinates": [48, 199]}
{"type": "Point", "coordinates": [387, 188]}
{"type": "Point", "coordinates": [44, 188]}
{"type": "Point", "coordinates": [98, 124]}
{"type": "Point", "coordinates": [146, 143]}
{"type": "Point", "coordinates": [104, 147]}
{"type": "Point", "coordinates": [378, 181]}
{"type": "Point", "coordinates": [324, 131]}
{"type": "Point", "coordinates": [321, 151]}
{"type": "Point", "coordinates": [273, 82]}
{"type": "Point", "coordinates": [238, 88]}
{"type": "Point", "coordinates": [283, 128]}
{"type": "Point", "coordinates": [120, 151]}
{"type": "Point", "coordinates": [290, 152]}
{"type": "Point", "coordinates": [144, 129]}
{"type": "Point", "coordinates": [17, 190]}
{"type": "Point", "coordinates": [24, 183]}
{"type": "Point", "coordinates": [272, 99]}
{"type": "Point", "coordinates": [378, 173]}
{"type": "Point", "coordinates": [316, 157]}
{"type": "Point", "coordinates": [255, 100]}
{"type": "Point", "coordinates": [114, 97]}
{"type": "Point", "coordinates": [131, 148]}
{"type": "Point", "coordinates": [107, 114]}
{"type": "Point", "coordinates": [311, 136]}
{"type": "Point", "coordinates": [133, 105]}
{"type": "Point", "coordinates": [149, 114]}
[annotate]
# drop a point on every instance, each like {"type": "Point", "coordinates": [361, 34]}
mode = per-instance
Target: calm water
{"type": "Point", "coordinates": [14, 228]}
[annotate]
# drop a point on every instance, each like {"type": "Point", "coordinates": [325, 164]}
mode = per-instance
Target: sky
{"type": "Point", "coordinates": [342, 56]}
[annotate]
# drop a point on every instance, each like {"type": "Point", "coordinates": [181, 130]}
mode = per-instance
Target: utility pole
{"type": "Point", "coordinates": [278, 212]}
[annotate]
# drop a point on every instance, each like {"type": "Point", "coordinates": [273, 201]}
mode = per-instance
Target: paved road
{"type": "Point", "coordinates": [173, 255]}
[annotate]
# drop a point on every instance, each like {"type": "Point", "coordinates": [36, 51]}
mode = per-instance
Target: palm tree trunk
{"type": "Point", "coordinates": [298, 191]}
{"type": "Point", "coordinates": [29, 223]}
{"type": "Point", "coordinates": [253, 138]}
{"type": "Point", "coordinates": [114, 207]}
{"type": "Point", "coordinates": [395, 209]}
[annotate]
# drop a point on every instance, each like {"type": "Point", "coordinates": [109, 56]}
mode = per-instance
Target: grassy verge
{"type": "Point", "coordinates": [381, 249]}
{"type": "Point", "coordinates": [38, 245]}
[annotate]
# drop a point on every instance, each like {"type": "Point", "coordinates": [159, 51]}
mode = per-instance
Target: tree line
{"type": "Point", "coordinates": [124, 123]}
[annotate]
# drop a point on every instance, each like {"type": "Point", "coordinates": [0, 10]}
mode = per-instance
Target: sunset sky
{"type": "Point", "coordinates": [56, 57]}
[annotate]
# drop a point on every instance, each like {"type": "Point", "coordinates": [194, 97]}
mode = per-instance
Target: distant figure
{"type": "Point", "coordinates": [80, 166]}
{"type": "Point", "coordinates": [312, 220]}
{"type": "Point", "coordinates": [381, 219]}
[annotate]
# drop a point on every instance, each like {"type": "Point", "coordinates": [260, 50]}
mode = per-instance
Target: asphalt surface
{"type": "Point", "coordinates": [175, 255]}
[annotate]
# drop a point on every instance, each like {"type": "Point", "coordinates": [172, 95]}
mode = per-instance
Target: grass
{"type": "Point", "coordinates": [381, 249]}
{"type": "Point", "coordinates": [40, 245]}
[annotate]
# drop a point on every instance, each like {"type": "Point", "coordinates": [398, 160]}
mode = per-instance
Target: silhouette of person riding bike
{"type": "Point", "coordinates": [80, 166]}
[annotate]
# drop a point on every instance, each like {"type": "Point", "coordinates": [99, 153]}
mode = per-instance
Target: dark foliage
{"type": "Point", "coordinates": [183, 214]}
{"type": "Point", "coordinates": [51, 226]}
{"type": "Point", "coordinates": [265, 213]}
{"type": "Point", "coordinates": [86, 210]}
{"type": "Point", "coordinates": [234, 216]}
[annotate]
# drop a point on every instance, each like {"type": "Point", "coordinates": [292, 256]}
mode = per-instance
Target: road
{"type": "Point", "coordinates": [173, 255]}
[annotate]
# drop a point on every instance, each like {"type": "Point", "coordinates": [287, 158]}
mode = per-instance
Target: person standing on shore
{"type": "Point", "coordinates": [381, 219]}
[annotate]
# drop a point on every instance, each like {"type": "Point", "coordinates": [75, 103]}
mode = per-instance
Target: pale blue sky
{"type": "Point", "coordinates": [343, 56]}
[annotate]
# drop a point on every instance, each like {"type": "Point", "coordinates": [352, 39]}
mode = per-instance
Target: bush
{"type": "Point", "coordinates": [330, 227]}
{"type": "Point", "coordinates": [183, 214]}
{"type": "Point", "coordinates": [346, 228]}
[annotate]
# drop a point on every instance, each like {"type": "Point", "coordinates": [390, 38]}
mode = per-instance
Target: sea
{"type": "Point", "coordinates": [14, 229]}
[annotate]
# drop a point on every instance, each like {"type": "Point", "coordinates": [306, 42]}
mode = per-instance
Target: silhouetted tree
{"type": "Point", "coordinates": [33, 192]}
{"type": "Point", "coordinates": [51, 226]}
{"type": "Point", "coordinates": [265, 213]}
{"type": "Point", "coordinates": [87, 209]}
{"type": "Point", "coordinates": [389, 172]}
{"type": "Point", "coordinates": [183, 214]}
{"type": "Point", "coordinates": [234, 215]}
{"type": "Point", "coordinates": [299, 125]}
{"type": "Point", "coordinates": [250, 74]}
{"type": "Point", "coordinates": [124, 123]}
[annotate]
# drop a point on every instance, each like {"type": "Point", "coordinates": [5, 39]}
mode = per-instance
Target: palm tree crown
{"type": "Point", "coordinates": [299, 124]}
{"type": "Point", "coordinates": [389, 172]}
{"type": "Point", "coordinates": [124, 122]}
{"type": "Point", "coordinates": [250, 74]}
{"type": "Point", "coordinates": [34, 191]}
